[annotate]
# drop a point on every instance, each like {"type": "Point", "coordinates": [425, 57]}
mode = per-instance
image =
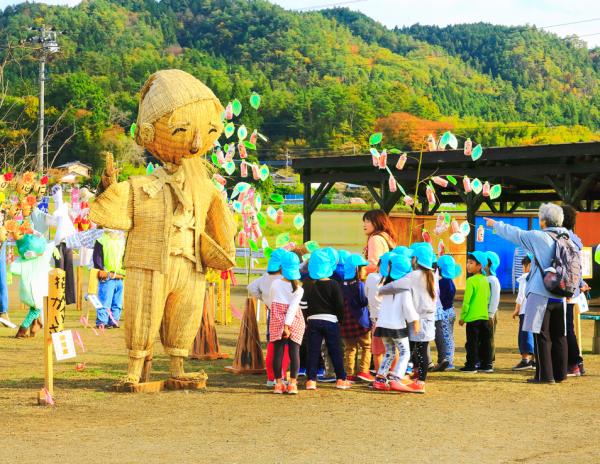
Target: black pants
{"type": "Point", "coordinates": [551, 345]}
{"type": "Point", "coordinates": [330, 331]}
{"type": "Point", "coordinates": [572, 346]}
{"type": "Point", "coordinates": [420, 358]}
{"type": "Point", "coordinates": [478, 344]}
{"type": "Point", "coordinates": [66, 264]}
{"type": "Point", "coordinates": [279, 349]}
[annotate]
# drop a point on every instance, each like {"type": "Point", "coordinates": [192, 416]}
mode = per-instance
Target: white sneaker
{"type": "Point", "coordinates": [270, 383]}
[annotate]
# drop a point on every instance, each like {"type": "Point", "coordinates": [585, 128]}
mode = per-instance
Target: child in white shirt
{"type": "Point", "coordinates": [525, 338]}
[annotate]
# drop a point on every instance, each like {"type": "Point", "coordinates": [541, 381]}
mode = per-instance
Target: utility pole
{"type": "Point", "coordinates": [48, 45]}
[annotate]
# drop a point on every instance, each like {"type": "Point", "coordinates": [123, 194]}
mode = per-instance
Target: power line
{"type": "Point", "coordinates": [568, 24]}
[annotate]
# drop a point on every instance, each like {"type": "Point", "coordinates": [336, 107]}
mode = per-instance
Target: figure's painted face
{"type": "Point", "coordinates": [40, 189]}
{"type": "Point", "coordinates": [24, 188]}
{"type": "Point", "coordinates": [187, 132]}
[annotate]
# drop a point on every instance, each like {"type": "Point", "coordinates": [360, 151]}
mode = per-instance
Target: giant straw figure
{"type": "Point", "coordinates": [177, 222]}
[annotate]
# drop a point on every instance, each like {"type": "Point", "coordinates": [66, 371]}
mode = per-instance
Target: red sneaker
{"type": "Point", "coordinates": [397, 385]}
{"type": "Point", "coordinates": [351, 378]}
{"type": "Point", "coordinates": [381, 385]}
{"type": "Point", "coordinates": [574, 371]}
{"type": "Point", "coordinates": [416, 387]}
{"type": "Point", "coordinates": [365, 376]}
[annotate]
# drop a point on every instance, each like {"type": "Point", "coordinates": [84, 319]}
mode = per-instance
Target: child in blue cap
{"type": "Point", "coordinates": [525, 339]}
{"type": "Point", "coordinates": [356, 326]}
{"type": "Point", "coordinates": [396, 311]}
{"type": "Point", "coordinates": [445, 314]}
{"type": "Point", "coordinates": [324, 305]}
{"type": "Point", "coordinates": [475, 315]}
{"type": "Point", "coordinates": [260, 289]}
{"type": "Point", "coordinates": [493, 261]}
{"type": "Point", "coordinates": [286, 323]}
{"type": "Point", "coordinates": [421, 283]}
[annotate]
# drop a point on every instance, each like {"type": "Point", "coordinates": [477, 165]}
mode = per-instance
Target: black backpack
{"type": "Point", "coordinates": [563, 276]}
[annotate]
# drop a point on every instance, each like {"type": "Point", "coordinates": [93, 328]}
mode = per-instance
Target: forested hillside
{"type": "Point", "coordinates": [327, 78]}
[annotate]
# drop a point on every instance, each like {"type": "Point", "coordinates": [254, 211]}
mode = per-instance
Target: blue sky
{"type": "Point", "coordinates": [442, 12]}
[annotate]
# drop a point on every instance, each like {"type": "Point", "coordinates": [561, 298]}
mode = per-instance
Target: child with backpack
{"type": "Point", "coordinates": [525, 338]}
{"type": "Point", "coordinates": [475, 315]}
{"type": "Point", "coordinates": [356, 326]}
{"type": "Point", "coordinates": [397, 311]}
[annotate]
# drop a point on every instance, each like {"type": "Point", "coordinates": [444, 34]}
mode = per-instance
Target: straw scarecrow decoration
{"type": "Point", "coordinates": [177, 222]}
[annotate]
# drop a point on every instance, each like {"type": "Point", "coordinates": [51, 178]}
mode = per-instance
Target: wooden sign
{"type": "Point", "coordinates": [56, 300]}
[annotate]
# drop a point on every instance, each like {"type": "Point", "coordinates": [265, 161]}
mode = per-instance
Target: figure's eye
{"type": "Point", "coordinates": [211, 130]}
{"type": "Point", "coordinates": [179, 129]}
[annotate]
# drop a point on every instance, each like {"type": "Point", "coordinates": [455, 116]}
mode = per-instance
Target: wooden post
{"type": "Point", "coordinates": [53, 322]}
{"type": "Point", "coordinates": [79, 290]}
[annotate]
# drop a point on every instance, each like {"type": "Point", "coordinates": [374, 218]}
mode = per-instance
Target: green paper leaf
{"type": "Point", "coordinates": [242, 187]}
{"type": "Point", "coordinates": [464, 228]}
{"type": "Point", "coordinates": [311, 245]}
{"type": "Point", "coordinates": [132, 130]}
{"type": "Point", "coordinates": [257, 201]}
{"type": "Point", "coordinates": [229, 167]}
{"type": "Point", "coordinates": [477, 152]}
{"type": "Point", "coordinates": [229, 130]}
{"type": "Point", "coordinates": [214, 159]}
{"type": "Point", "coordinates": [149, 169]}
{"type": "Point", "coordinates": [298, 221]}
{"type": "Point", "coordinates": [237, 206]}
{"type": "Point", "coordinates": [236, 106]}
{"type": "Point", "coordinates": [268, 251]}
{"type": "Point", "coordinates": [375, 138]}
{"type": "Point", "coordinates": [263, 172]}
{"type": "Point", "coordinates": [495, 191]}
{"type": "Point", "coordinates": [452, 180]}
{"type": "Point", "coordinates": [242, 132]}
{"type": "Point", "coordinates": [597, 255]}
{"type": "Point", "coordinates": [401, 189]}
{"type": "Point", "coordinates": [272, 213]}
{"type": "Point", "coordinates": [476, 186]}
{"type": "Point", "coordinates": [445, 139]}
{"type": "Point", "coordinates": [262, 220]}
{"type": "Point", "coordinates": [282, 240]}
{"type": "Point", "coordinates": [276, 198]}
{"type": "Point", "coordinates": [249, 145]}
{"type": "Point", "coordinates": [457, 238]}
{"type": "Point", "coordinates": [253, 245]}
{"type": "Point", "coordinates": [255, 100]}
{"type": "Point", "coordinates": [394, 151]}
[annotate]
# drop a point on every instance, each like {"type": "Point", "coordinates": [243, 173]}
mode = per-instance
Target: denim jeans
{"type": "Point", "coordinates": [444, 337]}
{"type": "Point", "coordinates": [525, 338]}
{"type": "Point", "coordinates": [391, 344]}
{"type": "Point", "coordinates": [318, 330]}
{"type": "Point", "coordinates": [110, 294]}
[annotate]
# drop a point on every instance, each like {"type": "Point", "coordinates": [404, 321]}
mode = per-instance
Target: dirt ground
{"type": "Point", "coordinates": [482, 418]}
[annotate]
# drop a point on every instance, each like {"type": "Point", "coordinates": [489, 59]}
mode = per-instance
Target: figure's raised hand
{"type": "Point", "coordinates": [110, 173]}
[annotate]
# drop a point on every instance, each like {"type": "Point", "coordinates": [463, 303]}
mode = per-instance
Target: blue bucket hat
{"type": "Point", "coordinates": [31, 246]}
{"type": "Point", "coordinates": [351, 263]}
{"type": "Point", "coordinates": [290, 266]}
{"type": "Point", "coordinates": [418, 245]}
{"type": "Point", "coordinates": [448, 267]}
{"type": "Point", "coordinates": [480, 257]}
{"type": "Point", "coordinates": [342, 256]}
{"type": "Point", "coordinates": [424, 256]}
{"type": "Point", "coordinates": [401, 266]}
{"type": "Point", "coordinates": [334, 257]}
{"type": "Point", "coordinates": [274, 263]}
{"type": "Point", "coordinates": [494, 261]}
{"type": "Point", "coordinates": [319, 265]}
{"type": "Point", "coordinates": [384, 264]}
{"type": "Point", "coordinates": [402, 250]}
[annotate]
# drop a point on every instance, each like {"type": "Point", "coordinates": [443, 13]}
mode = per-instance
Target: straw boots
{"type": "Point", "coordinates": [35, 327]}
{"type": "Point", "coordinates": [22, 332]}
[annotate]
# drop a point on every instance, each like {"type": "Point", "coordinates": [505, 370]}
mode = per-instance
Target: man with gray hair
{"type": "Point", "coordinates": [544, 312]}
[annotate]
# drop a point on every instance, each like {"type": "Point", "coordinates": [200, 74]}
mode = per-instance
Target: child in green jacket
{"type": "Point", "coordinates": [475, 314]}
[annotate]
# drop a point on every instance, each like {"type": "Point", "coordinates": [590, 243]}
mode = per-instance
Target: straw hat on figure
{"type": "Point", "coordinates": [177, 222]}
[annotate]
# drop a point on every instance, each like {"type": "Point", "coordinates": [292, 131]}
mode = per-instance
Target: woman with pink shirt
{"type": "Point", "coordinates": [381, 239]}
